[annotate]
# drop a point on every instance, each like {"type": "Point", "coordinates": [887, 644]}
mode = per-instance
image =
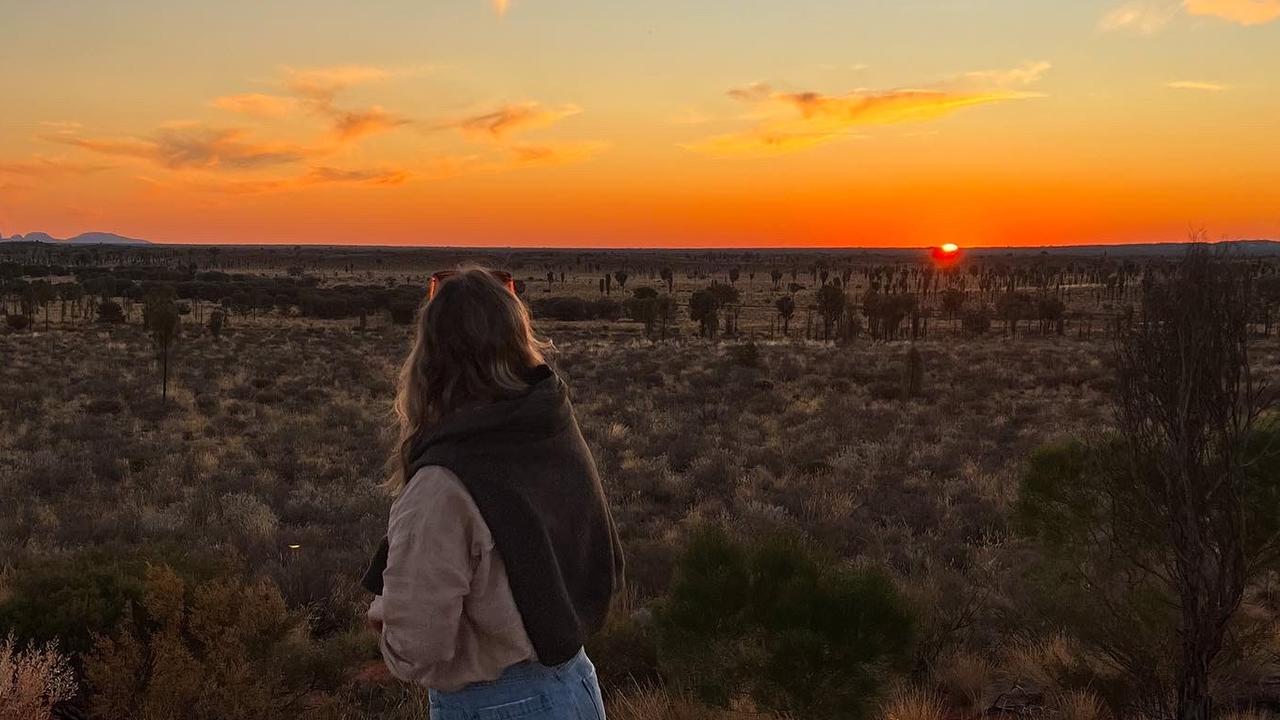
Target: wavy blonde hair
{"type": "Point", "coordinates": [473, 343]}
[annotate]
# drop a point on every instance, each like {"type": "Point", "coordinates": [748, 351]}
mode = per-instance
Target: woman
{"type": "Point", "coordinates": [501, 555]}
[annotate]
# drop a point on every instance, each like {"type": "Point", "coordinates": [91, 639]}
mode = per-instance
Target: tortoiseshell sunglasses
{"type": "Point", "coordinates": [501, 276]}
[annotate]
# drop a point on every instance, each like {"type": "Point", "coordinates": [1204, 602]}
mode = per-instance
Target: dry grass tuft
{"type": "Point", "coordinates": [966, 679]}
{"type": "Point", "coordinates": [913, 703]}
{"type": "Point", "coordinates": [649, 703]}
{"type": "Point", "coordinates": [1078, 705]}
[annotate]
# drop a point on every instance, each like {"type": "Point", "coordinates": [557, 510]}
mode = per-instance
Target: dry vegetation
{"type": "Point", "coordinates": [238, 512]}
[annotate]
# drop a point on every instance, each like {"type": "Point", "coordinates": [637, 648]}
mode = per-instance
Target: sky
{"type": "Point", "coordinates": [654, 123]}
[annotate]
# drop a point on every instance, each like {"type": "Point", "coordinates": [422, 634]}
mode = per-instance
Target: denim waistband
{"type": "Point", "coordinates": [526, 672]}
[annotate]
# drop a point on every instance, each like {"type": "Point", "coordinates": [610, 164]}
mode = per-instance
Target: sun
{"type": "Point", "coordinates": [945, 255]}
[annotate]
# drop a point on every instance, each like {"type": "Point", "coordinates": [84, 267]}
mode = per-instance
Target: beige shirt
{"type": "Point", "coordinates": [447, 612]}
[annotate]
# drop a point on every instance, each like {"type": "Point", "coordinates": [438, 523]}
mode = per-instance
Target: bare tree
{"type": "Point", "coordinates": [1187, 407]}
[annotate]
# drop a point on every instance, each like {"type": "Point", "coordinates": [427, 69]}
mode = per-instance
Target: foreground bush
{"type": "Point", "coordinates": [219, 649]}
{"type": "Point", "coordinates": [1106, 572]}
{"type": "Point", "coordinates": [32, 680]}
{"type": "Point", "coordinates": [70, 599]}
{"type": "Point", "coordinates": [784, 625]}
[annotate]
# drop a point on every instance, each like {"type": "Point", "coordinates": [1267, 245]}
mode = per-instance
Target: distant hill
{"type": "Point", "coordinates": [88, 238]}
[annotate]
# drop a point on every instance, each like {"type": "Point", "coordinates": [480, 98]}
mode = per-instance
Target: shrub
{"type": "Point", "coordinates": [17, 322]}
{"type": "Point", "coordinates": [1095, 578]}
{"type": "Point", "coordinates": [219, 649]}
{"type": "Point", "coordinates": [562, 308]}
{"type": "Point", "coordinates": [68, 600]}
{"type": "Point", "coordinates": [402, 312]}
{"type": "Point", "coordinates": [782, 623]}
{"type": "Point", "coordinates": [746, 355]}
{"type": "Point", "coordinates": [573, 309]}
{"type": "Point", "coordinates": [217, 320]}
{"type": "Point", "coordinates": [624, 651]}
{"type": "Point", "coordinates": [32, 681]}
{"type": "Point", "coordinates": [977, 320]}
{"type": "Point", "coordinates": [110, 311]}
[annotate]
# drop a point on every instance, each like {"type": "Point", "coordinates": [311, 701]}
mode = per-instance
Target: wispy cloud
{"type": "Point", "coordinates": [1150, 16]}
{"type": "Point", "coordinates": [1021, 76]}
{"type": "Point", "coordinates": [791, 121]}
{"type": "Point", "coordinates": [315, 90]}
{"type": "Point", "coordinates": [1196, 85]}
{"type": "Point", "coordinates": [191, 146]}
{"type": "Point", "coordinates": [1142, 16]}
{"type": "Point", "coordinates": [50, 167]}
{"type": "Point", "coordinates": [526, 155]}
{"type": "Point", "coordinates": [324, 83]}
{"type": "Point", "coordinates": [313, 177]}
{"type": "Point", "coordinates": [497, 124]}
{"type": "Point", "coordinates": [1244, 12]}
{"type": "Point", "coordinates": [350, 125]}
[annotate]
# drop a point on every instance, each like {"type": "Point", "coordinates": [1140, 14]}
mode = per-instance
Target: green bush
{"type": "Point", "coordinates": [68, 600]}
{"type": "Point", "coordinates": [1102, 571]}
{"type": "Point", "coordinates": [783, 623]}
{"type": "Point", "coordinates": [624, 652]}
{"type": "Point", "coordinates": [74, 597]}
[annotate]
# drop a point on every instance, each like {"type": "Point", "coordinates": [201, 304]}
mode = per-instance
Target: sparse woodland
{"type": "Point", "coordinates": [849, 485]}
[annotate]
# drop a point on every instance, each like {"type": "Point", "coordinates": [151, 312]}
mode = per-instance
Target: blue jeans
{"type": "Point", "coordinates": [529, 691]}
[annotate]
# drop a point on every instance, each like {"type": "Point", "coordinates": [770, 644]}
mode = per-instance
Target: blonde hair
{"type": "Point", "coordinates": [473, 343]}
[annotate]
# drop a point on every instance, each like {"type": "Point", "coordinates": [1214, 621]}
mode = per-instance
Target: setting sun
{"type": "Point", "coordinates": [950, 248]}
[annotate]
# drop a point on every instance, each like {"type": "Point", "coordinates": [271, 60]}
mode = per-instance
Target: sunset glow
{"type": "Point", "coordinates": [567, 123]}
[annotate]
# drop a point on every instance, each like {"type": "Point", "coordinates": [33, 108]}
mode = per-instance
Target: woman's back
{"type": "Point", "coordinates": [501, 555]}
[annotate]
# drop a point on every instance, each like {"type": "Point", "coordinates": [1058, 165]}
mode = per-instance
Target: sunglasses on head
{"type": "Point", "coordinates": [501, 276]}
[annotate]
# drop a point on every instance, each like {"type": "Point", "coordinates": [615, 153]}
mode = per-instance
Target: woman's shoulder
{"type": "Point", "coordinates": [435, 498]}
{"type": "Point", "coordinates": [430, 485]}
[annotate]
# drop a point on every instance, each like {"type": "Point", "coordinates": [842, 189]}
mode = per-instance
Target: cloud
{"type": "Point", "coordinates": [1151, 16]}
{"type": "Point", "coordinates": [1244, 12]}
{"type": "Point", "coordinates": [1142, 16]}
{"type": "Point", "coordinates": [350, 125]}
{"type": "Point", "coordinates": [315, 91]}
{"type": "Point", "coordinates": [314, 177]}
{"type": "Point", "coordinates": [791, 121]}
{"type": "Point", "coordinates": [508, 119]}
{"type": "Point", "coordinates": [49, 167]}
{"type": "Point", "coordinates": [1195, 85]}
{"type": "Point", "coordinates": [257, 104]}
{"type": "Point", "coordinates": [191, 146]}
{"type": "Point", "coordinates": [323, 84]}
{"type": "Point", "coordinates": [1021, 76]}
{"type": "Point", "coordinates": [524, 155]}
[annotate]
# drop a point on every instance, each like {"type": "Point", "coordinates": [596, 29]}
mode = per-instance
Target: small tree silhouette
{"type": "Point", "coordinates": [786, 308]}
{"type": "Point", "coordinates": [217, 320]}
{"type": "Point", "coordinates": [830, 307]}
{"type": "Point", "coordinates": [704, 309]}
{"type": "Point", "coordinates": [160, 316]}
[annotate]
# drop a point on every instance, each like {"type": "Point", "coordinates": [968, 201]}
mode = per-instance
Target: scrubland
{"type": "Point", "coordinates": [220, 531]}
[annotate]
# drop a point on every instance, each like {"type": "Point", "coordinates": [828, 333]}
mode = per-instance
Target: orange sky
{"type": "Point", "coordinates": [665, 123]}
